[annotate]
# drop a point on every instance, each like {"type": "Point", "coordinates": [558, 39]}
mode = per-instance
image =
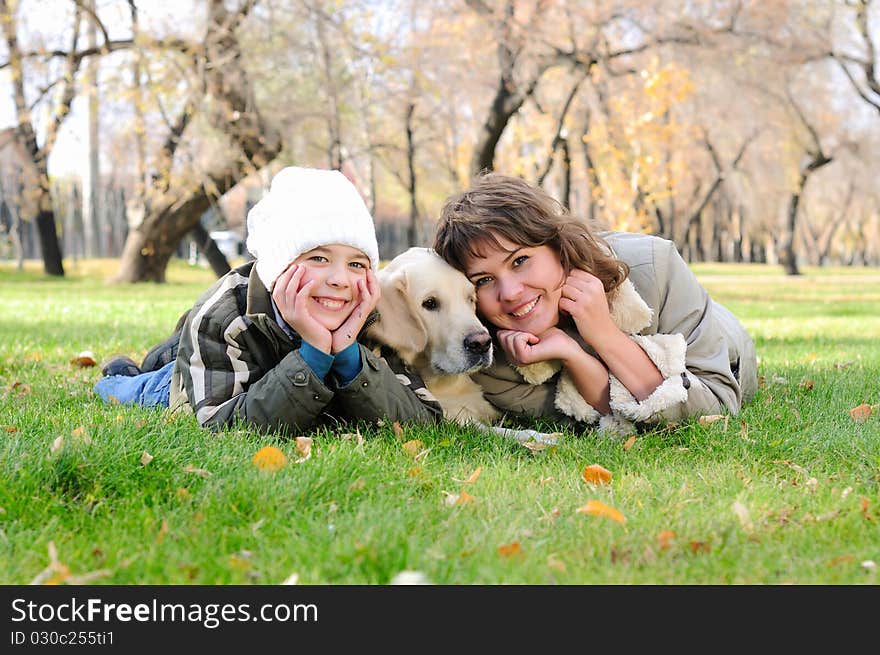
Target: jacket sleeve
{"type": "Point", "coordinates": [385, 389]}
{"type": "Point", "coordinates": [689, 348]}
{"type": "Point", "coordinates": [225, 376]}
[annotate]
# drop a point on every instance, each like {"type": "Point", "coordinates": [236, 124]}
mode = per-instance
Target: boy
{"type": "Point", "coordinates": [274, 342]}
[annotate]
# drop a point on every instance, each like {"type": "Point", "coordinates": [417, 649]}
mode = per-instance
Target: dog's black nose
{"type": "Point", "coordinates": [478, 343]}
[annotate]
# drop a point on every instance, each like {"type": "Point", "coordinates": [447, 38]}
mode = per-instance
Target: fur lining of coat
{"type": "Point", "coordinates": [630, 313]}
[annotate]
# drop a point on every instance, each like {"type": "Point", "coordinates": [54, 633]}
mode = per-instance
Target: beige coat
{"type": "Point", "coordinates": [707, 359]}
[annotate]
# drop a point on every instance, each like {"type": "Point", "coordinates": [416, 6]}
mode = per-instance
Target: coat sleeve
{"type": "Point", "coordinates": [224, 379]}
{"type": "Point", "coordinates": [385, 389]}
{"type": "Point", "coordinates": [689, 348]}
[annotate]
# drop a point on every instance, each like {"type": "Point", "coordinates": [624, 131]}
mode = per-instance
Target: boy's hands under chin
{"type": "Point", "coordinates": [346, 334]}
{"type": "Point", "coordinates": [293, 305]}
{"type": "Point", "coordinates": [524, 348]}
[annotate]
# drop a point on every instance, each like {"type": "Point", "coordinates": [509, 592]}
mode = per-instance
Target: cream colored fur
{"type": "Point", "coordinates": [427, 312]}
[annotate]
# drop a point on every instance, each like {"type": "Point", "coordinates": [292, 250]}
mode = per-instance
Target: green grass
{"type": "Point", "coordinates": [786, 492]}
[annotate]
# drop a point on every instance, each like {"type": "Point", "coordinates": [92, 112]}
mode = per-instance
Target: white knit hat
{"type": "Point", "coordinates": [306, 208]}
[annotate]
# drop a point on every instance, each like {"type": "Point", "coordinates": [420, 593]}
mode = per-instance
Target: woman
{"type": "Point", "coordinates": [611, 330]}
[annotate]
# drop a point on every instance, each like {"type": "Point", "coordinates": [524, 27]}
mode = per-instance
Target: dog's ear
{"type": "Point", "coordinates": [399, 326]}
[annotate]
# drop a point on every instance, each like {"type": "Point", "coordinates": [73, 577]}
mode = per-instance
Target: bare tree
{"type": "Point", "coordinates": [867, 85]}
{"type": "Point", "coordinates": [173, 203]}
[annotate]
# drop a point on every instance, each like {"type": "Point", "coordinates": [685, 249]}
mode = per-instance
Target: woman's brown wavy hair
{"type": "Point", "coordinates": [508, 206]}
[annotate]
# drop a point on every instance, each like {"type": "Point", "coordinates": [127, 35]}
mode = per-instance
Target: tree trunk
{"type": "Point", "coordinates": [208, 247]}
{"type": "Point", "coordinates": [412, 231]}
{"type": "Point", "coordinates": [787, 256]}
{"type": "Point", "coordinates": [566, 175]}
{"type": "Point", "coordinates": [150, 247]}
{"type": "Point", "coordinates": [173, 211]}
{"type": "Point", "coordinates": [49, 242]}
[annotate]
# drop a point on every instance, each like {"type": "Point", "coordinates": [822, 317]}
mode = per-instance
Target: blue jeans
{"type": "Point", "coordinates": [150, 389]}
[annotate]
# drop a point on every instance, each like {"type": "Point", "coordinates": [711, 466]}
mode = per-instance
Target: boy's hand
{"type": "Point", "coordinates": [293, 305]}
{"type": "Point", "coordinates": [346, 334]}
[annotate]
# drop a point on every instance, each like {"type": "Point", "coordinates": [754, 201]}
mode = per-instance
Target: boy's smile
{"type": "Point", "coordinates": [334, 270]}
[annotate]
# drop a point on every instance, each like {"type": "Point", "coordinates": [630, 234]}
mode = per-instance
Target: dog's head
{"type": "Point", "coordinates": [428, 315]}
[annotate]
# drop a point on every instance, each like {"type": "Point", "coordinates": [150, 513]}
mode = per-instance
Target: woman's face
{"type": "Point", "coordinates": [518, 287]}
{"type": "Point", "coordinates": [335, 268]}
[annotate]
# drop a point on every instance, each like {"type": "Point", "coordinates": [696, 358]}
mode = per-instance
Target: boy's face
{"type": "Point", "coordinates": [335, 268]}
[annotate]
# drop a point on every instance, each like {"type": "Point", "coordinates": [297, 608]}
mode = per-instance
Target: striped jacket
{"type": "Point", "coordinates": [236, 363]}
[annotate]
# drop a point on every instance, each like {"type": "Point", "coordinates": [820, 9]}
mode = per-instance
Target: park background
{"type": "Point", "coordinates": [137, 134]}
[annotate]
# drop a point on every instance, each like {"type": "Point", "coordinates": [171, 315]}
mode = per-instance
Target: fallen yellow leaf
{"type": "Point", "coordinates": [413, 447]}
{"type": "Point", "coordinates": [510, 550]}
{"type": "Point", "coordinates": [189, 468]}
{"type": "Point", "coordinates": [861, 413]}
{"type": "Point", "coordinates": [84, 360]}
{"type": "Point", "coordinates": [555, 564]}
{"type": "Point", "coordinates": [304, 448]}
{"type": "Point", "coordinates": [269, 458]}
{"type": "Point", "coordinates": [629, 442]}
{"type": "Point", "coordinates": [664, 539]}
{"type": "Point", "coordinates": [596, 474]}
{"type": "Point", "coordinates": [398, 430]}
{"type": "Point", "coordinates": [713, 418]}
{"type": "Point", "coordinates": [472, 477]}
{"type": "Point", "coordinates": [598, 508]}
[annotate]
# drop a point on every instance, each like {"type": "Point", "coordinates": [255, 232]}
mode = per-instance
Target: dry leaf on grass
{"type": "Point", "coordinates": [472, 477]}
{"type": "Point", "coordinates": [58, 573]}
{"type": "Point", "coordinates": [457, 499]}
{"type": "Point", "coordinates": [700, 547]}
{"type": "Point", "coordinates": [410, 578]}
{"type": "Point", "coordinates": [664, 539]}
{"type": "Point", "coordinates": [865, 504]}
{"type": "Point", "coordinates": [536, 446]}
{"type": "Point", "coordinates": [598, 508]}
{"type": "Point", "coordinates": [596, 474]}
{"type": "Point", "coordinates": [86, 359]}
{"type": "Point", "coordinates": [398, 430]}
{"type": "Point", "coordinates": [745, 519]}
{"type": "Point", "coordinates": [413, 447]}
{"type": "Point", "coordinates": [713, 418]}
{"type": "Point", "coordinates": [510, 550]}
{"type": "Point", "coordinates": [304, 448]}
{"type": "Point", "coordinates": [20, 388]}
{"type": "Point", "coordinates": [861, 413]}
{"type": "Point", "coordinates": [10, 429]}
{"type": "Point", "coordinates": [189, 468]}
{"type": "Point", "coordinates": [629, 442]}
{"type": "Point", "coordinates": [555, 564]}
{"type": "Point", "coordinates": [269, 459]}
{"type": "Point", "coordinates": [56, 445]}
{"type": "Point", "coordinates": [146, 458]}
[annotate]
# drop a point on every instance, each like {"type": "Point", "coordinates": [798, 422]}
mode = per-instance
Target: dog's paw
{"type": "Point", "coordinates": [546, 438]}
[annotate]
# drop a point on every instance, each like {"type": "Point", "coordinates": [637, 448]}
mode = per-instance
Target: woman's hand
{"type": "Point", "coordinates": [583, 297]}
{"type": "Point", "coordinates": [524, 348]}
{"type": "Point", "coordinates": [346, 334]}
{"type": "Point", "coordinates": [293, 305]}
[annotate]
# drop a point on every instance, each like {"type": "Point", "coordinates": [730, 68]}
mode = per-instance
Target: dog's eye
{"type": "Point", "coordinates": [430, 304]}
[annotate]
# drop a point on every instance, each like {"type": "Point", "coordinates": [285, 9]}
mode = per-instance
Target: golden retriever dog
{"type": "Point", "coordinates": [427, 316]}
